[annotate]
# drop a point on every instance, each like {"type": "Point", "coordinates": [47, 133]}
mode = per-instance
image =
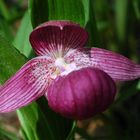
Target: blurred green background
{"type": "Point", "coordinates": [118, 25]}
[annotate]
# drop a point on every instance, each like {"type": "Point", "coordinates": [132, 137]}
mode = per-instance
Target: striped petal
{"type": "Point", "coordinates": [57, 37]}
{"type": "Point", "coordinates": [117, 66]}
{"type": "Point", "coordinates": [28, 84]}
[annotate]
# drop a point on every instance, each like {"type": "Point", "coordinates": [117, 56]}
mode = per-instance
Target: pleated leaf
{"type": "Point", "coordinates": [21, 41]}
{"type": "Point", "coordinates": [10, 59]}
{"type": "Point", "coordinates": [34, 123]}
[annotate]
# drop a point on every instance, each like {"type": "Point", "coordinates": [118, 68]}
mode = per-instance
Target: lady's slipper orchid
{"type": "Point", "coordinates": [78, 82]}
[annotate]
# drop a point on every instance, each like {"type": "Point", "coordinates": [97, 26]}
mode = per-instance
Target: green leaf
{"type": "Point", "coordinates": [21, 41]}
{"type": "Point", "coordinates": [23, 134]}
{"type": "Point", "coordinates": [121, 18]}
{"type": "Point", "coordinates": [25, 125]}
{"type": "Point", "coordinates": [90, 23]}
{"type": "Point", "coordinates": [10, 59]}
{"type": "Point", "coordinates": [59, 125]}
{"type": "Point", "coordinates": [79, 11]}
{"type": "Point", "coordinates": [40, 122]}
{"type": "Point", "coordinates": [6, 29]}
{"type": "Point", "coordinates": [34, 123]}
{"type": "Point", "coordinates": [44, 10]}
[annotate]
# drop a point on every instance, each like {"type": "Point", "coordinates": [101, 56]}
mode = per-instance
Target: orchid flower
{"type": "Point", "coordinates": [78, 82]}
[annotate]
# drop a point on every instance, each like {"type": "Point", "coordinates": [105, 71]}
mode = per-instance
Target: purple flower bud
{"type": "Point", "coordinates": [82, 93]}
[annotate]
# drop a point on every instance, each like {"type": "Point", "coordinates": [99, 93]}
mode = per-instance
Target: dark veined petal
{"type": "Point", "coordinates": [117, 66]}
{"type": "Point", "coordinates": [57, 37]}
{"type": "Point", "coordinates": [28, 84]}
{"type": "Point", "coordinates": [82, 93]}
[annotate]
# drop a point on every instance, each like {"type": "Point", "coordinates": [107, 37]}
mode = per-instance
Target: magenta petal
{"type": "Point", "coordinates": [82, 93]}
{"type": "Point", "coordinates": [28, 84]}
{"type": "Point", "coordinates": [57, 36]}
{"type": "Point", "coordinates": [117, 66]}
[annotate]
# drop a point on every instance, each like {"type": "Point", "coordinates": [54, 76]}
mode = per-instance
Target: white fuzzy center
{"type": "Point", "coordinates": [64, 67]}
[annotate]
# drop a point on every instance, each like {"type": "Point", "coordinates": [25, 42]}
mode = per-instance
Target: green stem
{"type": "Point", "coordinates": [72, 131]}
